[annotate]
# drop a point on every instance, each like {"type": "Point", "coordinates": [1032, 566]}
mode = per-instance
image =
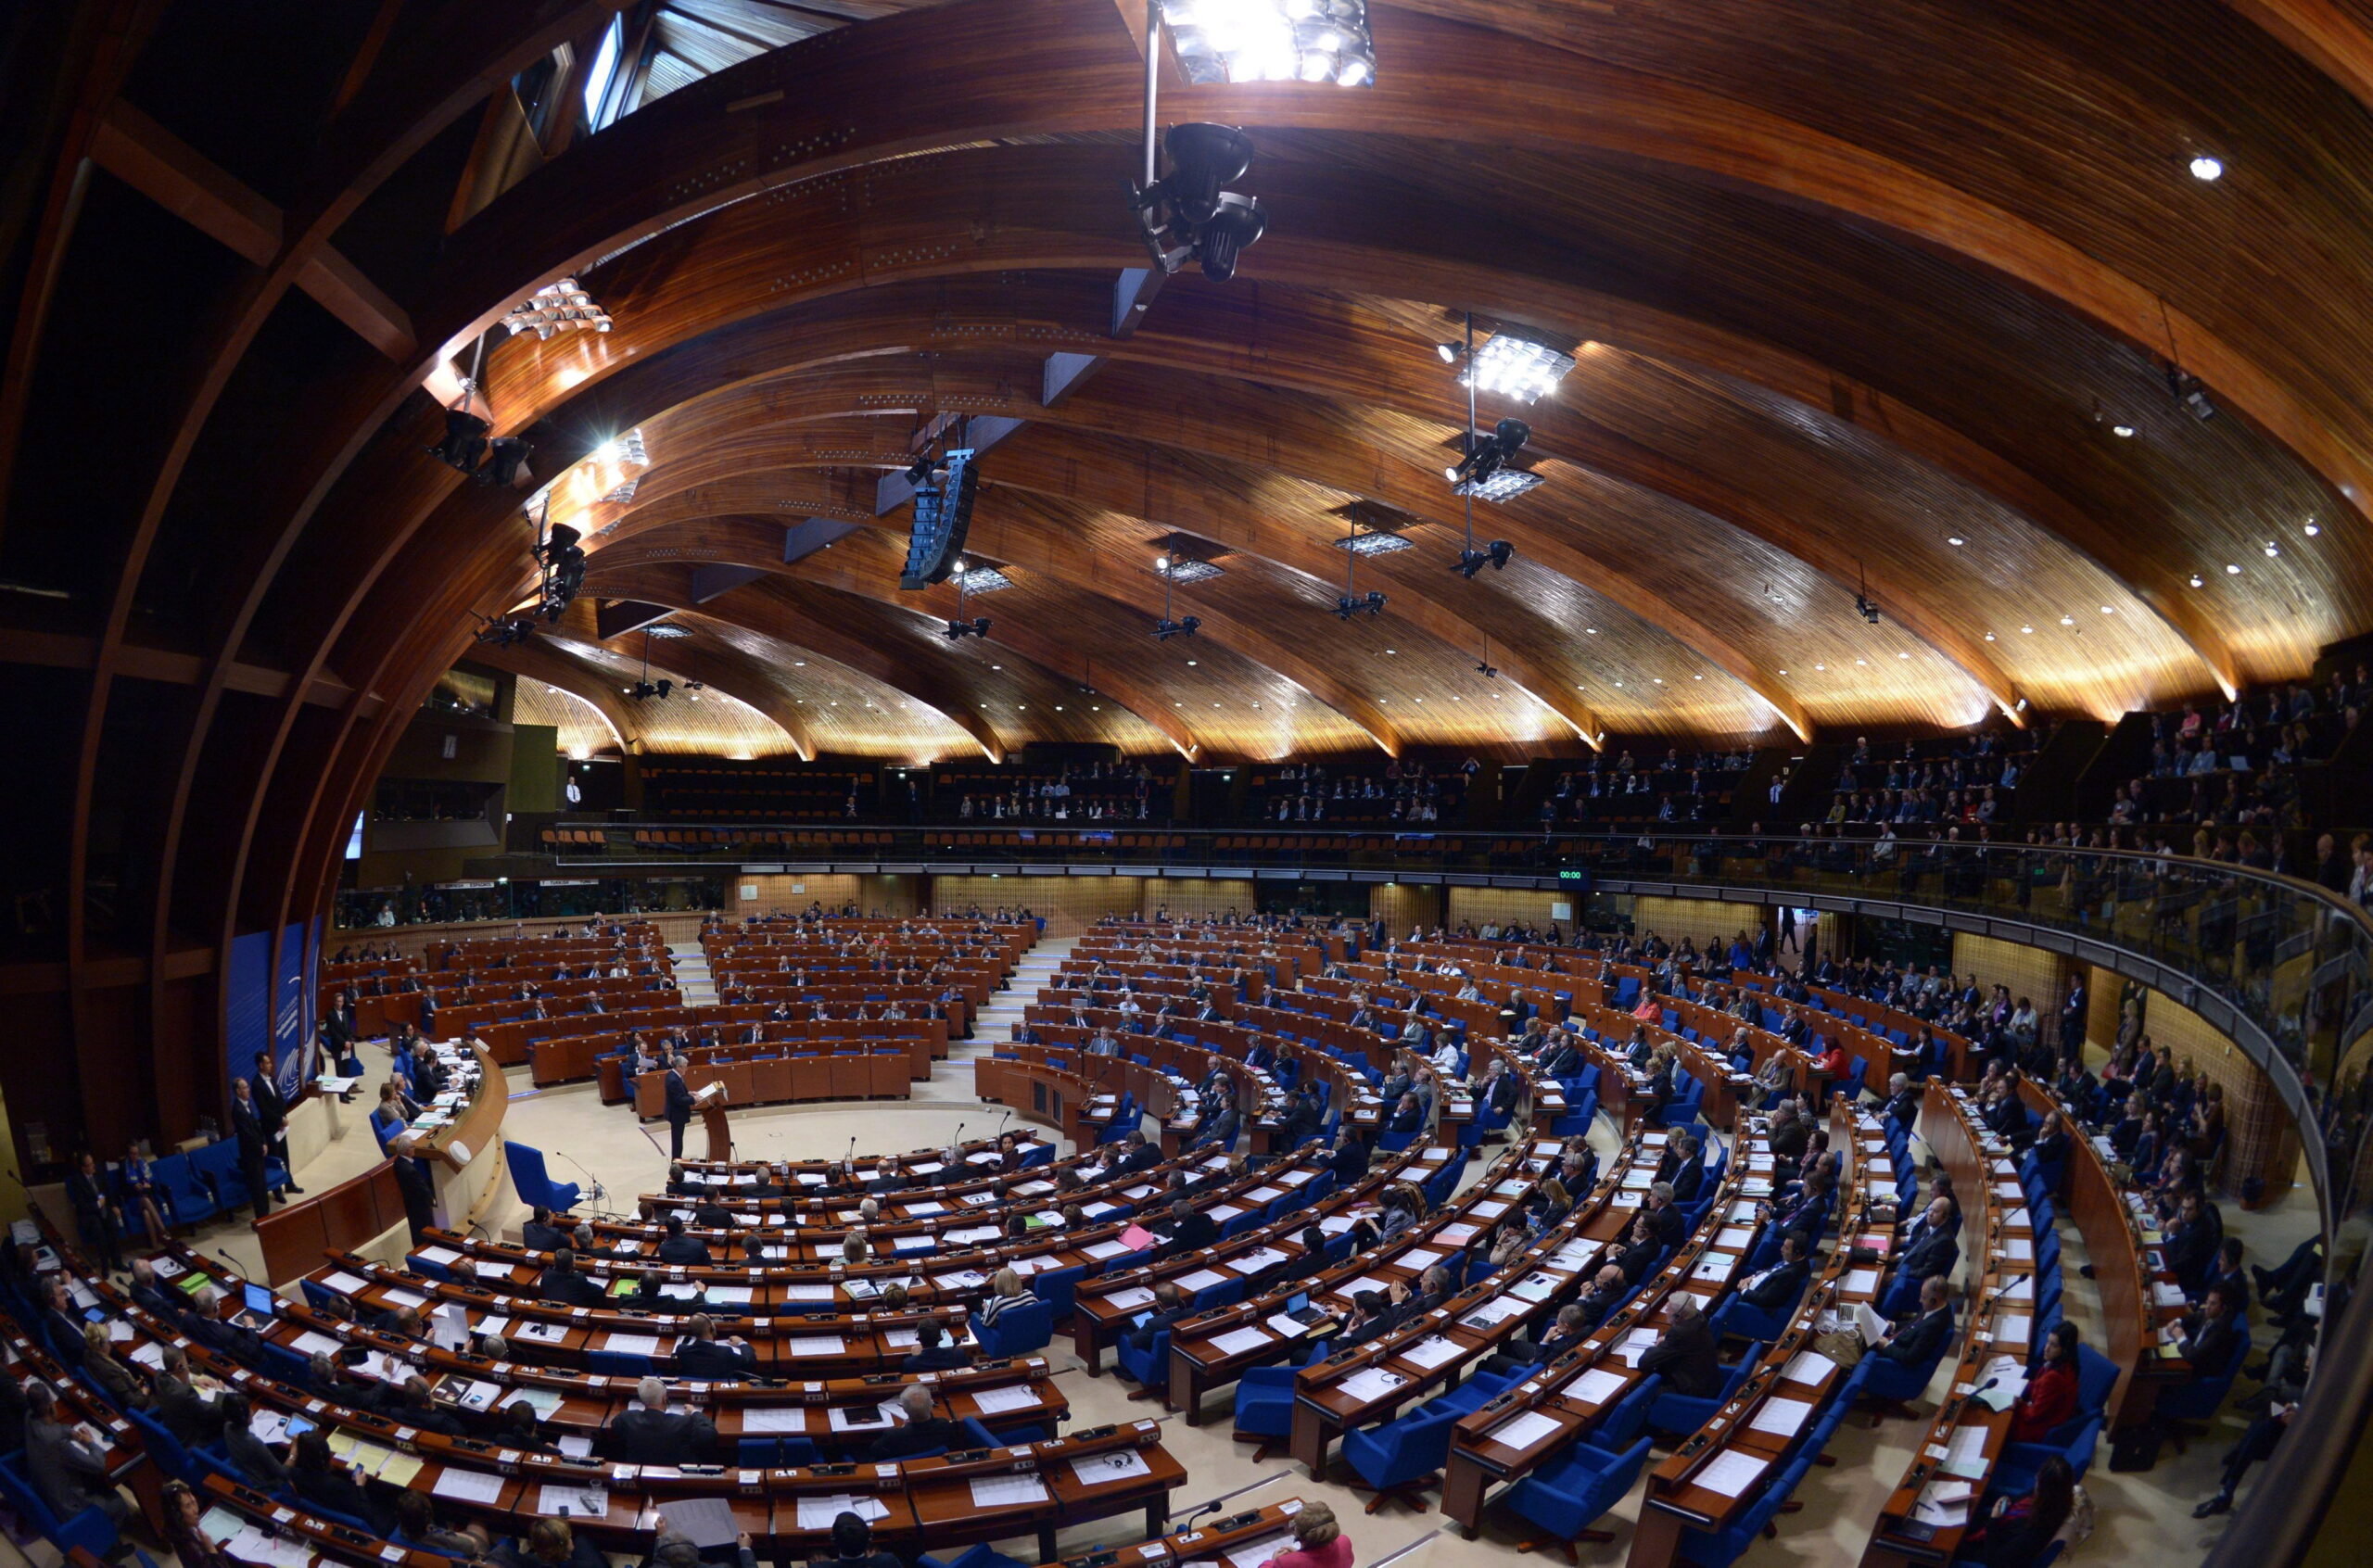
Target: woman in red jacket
{"type": "Point", "coordinates": [1319, 1542]}
{"type": "Point", "coordinates": [2051, 1397]}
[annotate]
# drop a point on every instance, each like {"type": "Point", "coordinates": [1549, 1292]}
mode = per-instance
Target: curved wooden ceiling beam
{"type": "Point", "coordinates": [756, 544]}
{"type": "Point", "coordinates": [1312, 451]}
{"type": "Point", "coordinates": [964, 330]}
{"type": "Point", "coordinates": [732, 137]}
{"type": "Point", "coordinates": [1049, 551]}
{"type": "Point", "coordinates": [539, 660]}
{"type": "Point", "coordinates": [2324, 35]}
{"type": "Point", "coordinates": [734, 675]}
{"type": "Point", "coordinates": [1035, 550]}
{"type": "Point", "coordinates": [770, 617]}
{"type": "Point", "coordinates": [1344, 235]}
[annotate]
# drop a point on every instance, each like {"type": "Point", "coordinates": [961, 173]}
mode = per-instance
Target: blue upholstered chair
{"type": "Point", "coordinates": [1398, 1456]}
{"type": "Point", "coordinates": [1568, 1494]}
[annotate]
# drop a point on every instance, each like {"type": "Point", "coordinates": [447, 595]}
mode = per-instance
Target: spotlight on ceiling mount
{"type": "Point", "coordinates": [466, 450]}
{"type": "Point", "coordinates": [1486, 669]}
{"type": "Point", "coordinates": [1186, 216]}
{"type": "Point", "coordinates": [1165, 628]}
{"type": "Point", "coordinates": [1866, 608]}
{"type": "Point", "coordinates": [1352, 604]}
{"type": "Point", "coordinates": [1313, 41]}
{"type": "Point", "coordinates": [562, 560]}
{"type": "Point", "coordinates": [956, 630]}
{"type": "Point", "coordinates": [1496, 556]}
{"type": "Point", "coordinates": [1486, 455]}
{"type": "Point", "coordinates": [1516, 367]}
{"type": "Point", "coordinates": [508, 632]}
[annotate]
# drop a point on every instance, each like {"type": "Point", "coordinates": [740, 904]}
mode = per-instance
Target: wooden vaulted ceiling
{"type": "Point", "coordinates": [1848, 283]}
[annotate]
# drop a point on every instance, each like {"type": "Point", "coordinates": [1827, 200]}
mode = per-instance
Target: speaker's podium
{"type": "Point", "coordinates": [710, 1102]}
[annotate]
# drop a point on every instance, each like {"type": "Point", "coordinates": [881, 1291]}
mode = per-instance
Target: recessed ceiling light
{"type": "Point", "coordinates": [1618, 684]}
{"type": "Point", "coordinates": [1784, 672]}
{"type": "Point", "coordinates": [1990, 636]}
{"type": "Point", "coordinates": [1059, 707]}
{"type": "Point", "coordinates": [1955, 539]}
{"type": "Point", "coordinates": [2199, 581]}
{"type": "Point", "coordinates": [799, 664]}
{"type": "Point", "coordinates": [1820, 666]}
{"type": "Point", "coordinates": [2311, 529]}
{"type": "Point", "coordinates": [2123, 432]}
{"type": "Point", "coordinates": [1903, 656]}
{"type": "Point", "coordinates": [1861, 661]}
{"type": "Point", "coordinates": [996, 666]}
{"type": "Point", "coordinates": [1190, 664]}
{"type": "Point", "coordinates": [1392, 651]}
{"type": "Point", "coordinates": [2068, 620]}
{"type": "Point", "coordinates": [2272, 550]}
{"type": "Point", "coordinates": [1697, 678]}
{"type": "Point", "coordinates": [2027, 631]}
{"type": "Point", "coordinates": [2206, 167]}
{"type": "Point", "coordinates": [2232, 570]}
{"type": "Point", "coordinates": [2108, 610]}
{"type": "Point", "coordinates": [1661, 680]}
{"type": "Point", "coordinates": [1589, 631]}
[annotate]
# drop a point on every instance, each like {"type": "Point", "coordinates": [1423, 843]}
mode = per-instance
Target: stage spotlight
{"type": "Point", "coordinates": [1186, 214]}
{"type": "Point", "coordinates": [959, 630]}
{"type": "Point", "coordinates": [1450, 351]}
{"type": "Point", "coordinates": [465, 443]}
{"type": "Point", "coordinates": [1163, 630]}
{"type": "Point", "coordinates": [507, 632]}
{"type": "Point", "coordinates": [1352, 604]}
{"type": "Point", "coordinates": [1487, 454]}
{"type": "Point", "coordinates": [1497, 557]}
{"type": "Point", "coordinates": [1488, 670]}
{"type": "Point", "coordinates": [1866, 608]}
{"type": "Point", "coordinates": [506, 463]}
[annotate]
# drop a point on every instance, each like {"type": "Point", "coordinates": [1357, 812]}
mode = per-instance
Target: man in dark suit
{"type": "Point", "coordinates": [1571, 1326]}
{"type": "Point", "coordinates": [1779, 1287]}
{"type": "Point", "coordinates": [414, 1184]}
{"type": "Point", "coordinates": [1410, 1303]}
{"type": "Point", "coordinates": [188, 1414]}
{"type": "Point", "coordinates": [1170, 1305]}
{"type": "Point", "coordinates": [933, 1352]}
{"type": "Point", "coordinates": [2210, 1331]}
{"type": "Point", "coordinates": [679, 1248]}
{"type": "Point", "coordinates": [149, 1297]}
{"type": "Point", "coordinates": [2226, 1274]}
{"type": "Point", "coordinates": [2190, 1247]}
{"type": "Point", "coordinates": [1349, 1158]}
{"type": "Point", "coordinates": [1936, 1252]}
{"type": "Point", "coordinates": [1688, 1174]}
{"type": "Point", "coordinates": [1136, 1155]}
{"type": "Point", "coordinates": [702, 1354]}
{"type": "Point", "coordinates": [1226, 1125]}
{"type": "Point", "coordinates": [1665, 1217]}
{"type": "Point", "coordinates": [1903, 1102]}
{"type": "Point", "coordinates": [1189, 1229]}
{"type": "Point", "coordinates": [679, 1106]}
{"type": "Point", "coordinates": [273, 1111]}
{"type": "Point", "coordinates": [67, 1469]}
{"type": "Point", "coordinates": [1686, 1355]}
{"type": "Point", "coordinates": [885, 1178]}
{"type": "Point", "coordinates": [655, 1434]}
{"type": "Point", "coordinates": [539, 1235]}
{"type": "Point", "coordinates": [561, 1283]}
{"type": "Point", "coordinates": [1919, 1337]}
{"type": "Point", "coordinates": [922, 1432]}
{"type": "Point", "coordinates": [247, 1125]}
{"type": "Point", "coordinates": [1408, 1116]}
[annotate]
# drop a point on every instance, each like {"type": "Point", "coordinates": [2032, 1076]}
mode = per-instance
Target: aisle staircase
{"type": "Point", "coordinates": [1033, 973]}
{"type": "Point", "coordinates": [693, 979]}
